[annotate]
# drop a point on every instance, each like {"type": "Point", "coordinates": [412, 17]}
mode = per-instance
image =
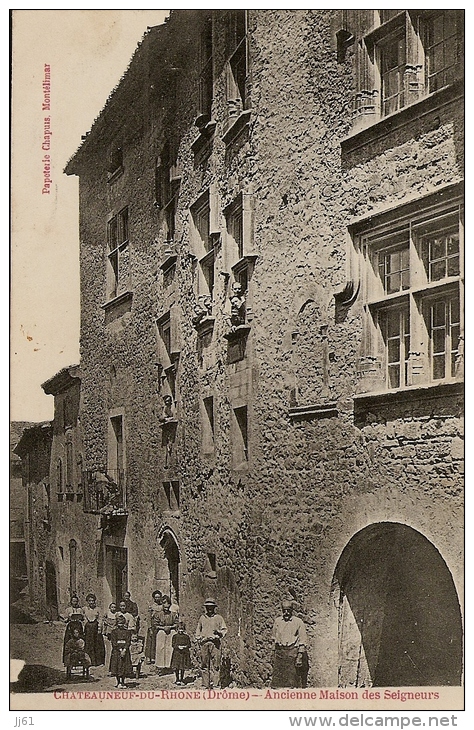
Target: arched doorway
{"type": "Point", "coordinates": [399, 615]}
{"type": "Point", "coordinates": [167, 566]}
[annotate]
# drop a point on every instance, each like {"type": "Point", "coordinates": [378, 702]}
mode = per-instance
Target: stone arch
{"type": "Point", "coordinates": [167, 564]}
{"type": "Point", "coordinates": [399, 619]}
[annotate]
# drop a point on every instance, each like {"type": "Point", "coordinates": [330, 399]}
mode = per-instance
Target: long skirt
{"type": "Point", "coordinates": [284, 667]}
{"type": "Point", "coordinates": [69, 635]}
{"type": "Point", "coordinates": [150, 646]}
{"type": "Point", "coordinates": [121, 666]}
{"type": "Point", "coordinates": [94, 643]}
{"type": "Point", "coordinates": [164, 649]}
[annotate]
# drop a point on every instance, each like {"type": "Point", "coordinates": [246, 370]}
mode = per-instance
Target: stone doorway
{"type": "Point", "coordinates": [399, 615]}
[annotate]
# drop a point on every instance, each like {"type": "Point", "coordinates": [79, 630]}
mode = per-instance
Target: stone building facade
{"type": "Point", "coordinates": [18, 564]}
{"type": "Point", "coordinates": [34, 450]}
{"type": "Point", "coordinates": [72, 547]}
{"type": "Point", "coordinates": [271, 339]}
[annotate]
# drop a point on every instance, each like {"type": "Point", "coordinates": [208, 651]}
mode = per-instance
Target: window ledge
{"type": "Point", "coordinates": [316, 411]}
{"type": "Point", "coordinates": [205, 136]}
{"type": "Point", "coordinates": [168, 262]}
{"type": "Point", "coordinates": [206, 324]}
{"type": "Point", "coordinates": [237, 126]}
{"type": "Point", "coordinates": [413, 392]}
{"type": "Point", "coordinates": [116, 301]}
{"type": "Point", "coordinates": [237, 333]}
{"type": "Point", "coordinates": [244, 261]}
{"type": "Point", "coordinates": [388, 124]}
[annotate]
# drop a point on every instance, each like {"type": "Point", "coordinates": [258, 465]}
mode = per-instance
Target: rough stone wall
{"type": "Point", "coordinates": [281, 521]}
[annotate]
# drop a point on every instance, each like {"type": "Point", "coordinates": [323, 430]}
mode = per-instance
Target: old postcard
{"type": "Point", "coordinates": [237, 445]}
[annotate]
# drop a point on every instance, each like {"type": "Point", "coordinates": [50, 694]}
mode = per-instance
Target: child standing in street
{"type": "Point", "coordinates": [180, 658]}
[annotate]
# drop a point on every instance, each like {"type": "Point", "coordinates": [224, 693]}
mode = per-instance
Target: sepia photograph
{"type": "Point", "coordinates": [237, 360]}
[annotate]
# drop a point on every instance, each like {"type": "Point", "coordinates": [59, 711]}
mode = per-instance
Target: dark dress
{"type": "Point", "coordinates": [181, 658]}
{"type": "Point", "coordinates": [120, 666]}
{"type": "Point", "coordinates": [94, 640]}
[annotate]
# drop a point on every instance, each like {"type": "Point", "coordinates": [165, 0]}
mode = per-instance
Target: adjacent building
{"type": "Point", "coordinates": [34, 450]}
{"type": "Point", "coordinates": [271, 385]}
{"type": "Point", "coordinates": [18, 566]}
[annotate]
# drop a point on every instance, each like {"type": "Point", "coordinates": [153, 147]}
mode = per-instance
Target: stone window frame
{"type": "Point", "coordinates": [117, 243]}
{"type": "Point", "coordinates": [237, 61]}
{"type": "Point", "coordinates": [116, 441]}
{"type": "Point", "coordinates": [411, 26]}
{"type": "Point", "coordinates": [237, 72]}
{"type": "Point", "coordinates": [205, 73]}
{"type": "Point", "coordinates": [413, 357]}
{"type": "Point", "coordinates": [114, 164]}
{"type": "Point", "coordinates": [171, 491]}
{"type": "Point", "coordinates": [167, 187]}
{"type": "Point", "coordinates": [205, 237]}
{"type": "Point", "coordinates": [208, 422]}
{"type": "Point", "coordinates": [240, 436]}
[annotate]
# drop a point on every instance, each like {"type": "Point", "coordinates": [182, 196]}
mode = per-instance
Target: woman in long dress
{"type": "Point", "coordinates": [94, 641]}
{"type": "Point", "coordinates": [74, 618]}
{"type": "Point", "coordinates": [164, 638]}
{"type": "Point", "coordinates": [154, 614]}
{"type": "Point", "coordinates": [120, 660]}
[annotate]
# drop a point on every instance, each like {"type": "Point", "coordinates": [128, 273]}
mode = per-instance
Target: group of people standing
{"type": "Point", "coordinates": [85, 632]}
{"type": "Point", "coordinates": [167, 644]}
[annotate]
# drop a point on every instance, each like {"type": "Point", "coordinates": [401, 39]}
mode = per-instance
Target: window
{"type": "Point", "coordinates": [204, 246]}
{"type": "Point", "coordinates": [237, 62]}
{"type": "Point", "coordinates": [167, 183]}
{"type": "Point", "coordinates": [59, 478]}
{"type": "Point", "coordinates": [411, 53]}
{"type": "Point", "coordinates": [205, 236]}
{"type": "Point", "coordinates": [168, 346]}
{"type": "Point", "coordinates": [115, 163]}
{"type": "Point", "coordinates": [116, 455]}
{"type": "Point", "coordinates": [210, 565]}
{"type": "Point", "coordinates": [208, 425]}
{"type": "Point", "coordinates": [412, 287]}
{"type": "Point", "coordinates": [395, 329]}
{"type": "Point", "coordinates": [118, 254]}
{"type": "Point", "coordinates": [205, 73]}
{"type": "Point", "coordinates": [235, 229]}
{"type": "Point", "coordinates": [443, 324]}
{"type": "Point", "coordinates": [239, 257]}
{"type": "Point", "coordinates": [69, 462]}
{"type": "Point", "coordinates": [442, 33]}
{"type": "Point", "coordinates": [392, 73]}
{"type": "Point", "coordinates": [240, 445]}
{"type": "Point", "coordinates": [171, 492]}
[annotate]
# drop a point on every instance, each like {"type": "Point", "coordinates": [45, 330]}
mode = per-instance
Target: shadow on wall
{"type": "Point", "coordinates": [399, 615]}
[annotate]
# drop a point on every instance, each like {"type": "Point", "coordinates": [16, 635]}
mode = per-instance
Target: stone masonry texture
{"type": "Point", "coordinates": [278, 521]}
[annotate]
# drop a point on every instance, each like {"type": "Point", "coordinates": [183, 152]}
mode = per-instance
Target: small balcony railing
{"type": "Point", "coordinates": [104, 491]}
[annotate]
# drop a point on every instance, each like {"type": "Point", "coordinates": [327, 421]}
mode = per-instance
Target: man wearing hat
{"type": "Point", "coordinates": [289, 634]}
{"type": "Point", "coordinates": [210, 631]}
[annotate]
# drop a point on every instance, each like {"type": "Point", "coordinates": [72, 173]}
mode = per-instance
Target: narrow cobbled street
{"type": "Point", "coordinates": [39, 644]}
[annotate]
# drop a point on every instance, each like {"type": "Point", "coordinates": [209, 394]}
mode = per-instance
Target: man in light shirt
{"type": "Point", "coordinates": [290, 659]}
{"type": "Point", "coordinates": [210, 631]}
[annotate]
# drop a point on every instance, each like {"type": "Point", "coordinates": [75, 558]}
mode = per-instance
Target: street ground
{"type": "Point", "coordinates": [39, 644]}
